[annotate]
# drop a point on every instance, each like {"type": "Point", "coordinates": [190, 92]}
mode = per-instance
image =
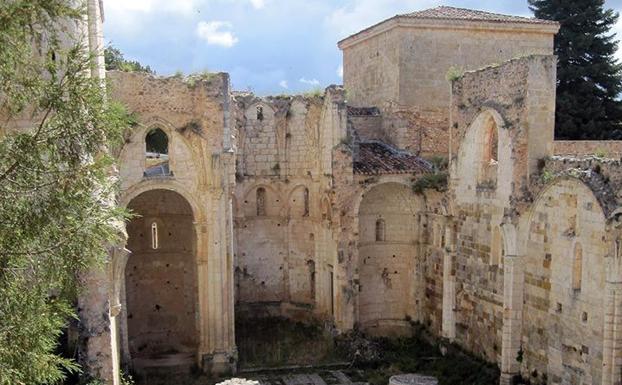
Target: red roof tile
{"type": "Point", "coordinates": [452, 13]}
{"type": "Point", "coordinates": [375, 157]}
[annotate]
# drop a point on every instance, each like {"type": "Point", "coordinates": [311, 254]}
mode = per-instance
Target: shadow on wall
{"type": "Point", "coordinates": [277, 342]}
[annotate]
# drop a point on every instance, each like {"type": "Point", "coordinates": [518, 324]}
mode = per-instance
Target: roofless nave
{"type": "Point", "coordinates": [304, 207]}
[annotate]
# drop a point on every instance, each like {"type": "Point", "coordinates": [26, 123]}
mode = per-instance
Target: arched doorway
{"type": "Point", "coordinates": [161, 279]}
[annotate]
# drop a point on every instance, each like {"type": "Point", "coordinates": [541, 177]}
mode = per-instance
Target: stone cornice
{"type": "Point", "coordinates": [447, 24]}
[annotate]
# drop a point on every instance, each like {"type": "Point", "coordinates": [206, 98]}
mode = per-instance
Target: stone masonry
{"type": "Point", "coordinates": [331, 208]}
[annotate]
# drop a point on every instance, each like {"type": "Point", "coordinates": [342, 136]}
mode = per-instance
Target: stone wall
{"type": "Point", "coordinates": [602, 148]}
{"type": "Point", "coordinates": [199, 166]}
{"type": "Point", "coordinates": [285, 253]}
{"type": "Point", "coordinates": [161, 287]}
{"type": "Point", "coordinates": [401, 67]}
{"type": "Point", "coordinates": [503, 123]}
{"type": "Point", "coordinates": [388, 247]}
{"type": "Point", "coordinates": [563, 318]}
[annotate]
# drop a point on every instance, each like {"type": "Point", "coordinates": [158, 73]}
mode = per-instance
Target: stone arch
{"type": "Point", "coordinates": [565, 214]}
{"type": "Point", "coordinates": [386, 268]}
{"type": "Point", "coordinates": [385, 179]}
{"type": "Point", "coordinates": [253, 111]}
{"type": "Point", "coordinates": [272, 201]}
{"type": "Point", "coordinates": [169, 184]}
{"type": "Point", "coordinates": [182, 158]}
{"type": "Point", "coordinates": [299, 202]}
{"type": "Point", "coordinates": [476, 168]}
{"type": "Point", "coordinates": [161, 286]}
{"type": "Point", "coordinates": [156, 153]}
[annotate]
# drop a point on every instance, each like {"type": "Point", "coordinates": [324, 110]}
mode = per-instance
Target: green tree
{"type": "Point", "coordinates": [116, 61]}
{"type": "Point", "coordinates": [589, 76]}
{"type": "Point", "coordinates": [55, 182]}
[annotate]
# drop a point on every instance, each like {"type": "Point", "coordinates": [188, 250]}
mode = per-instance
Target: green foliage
{"type": "Point", "coordinates": [436, 181]}
{"type": "Point", "coordinates": [546, 176]}
{"type": "Point", "coordinates": [126, 379]}
{"type": "Point", "coordinates": [55, 213]}
{"type": "Point", "coordinates": [439, 163]}
{"type": "Point", "coordinates": [192, 79]}
{"type": "Point", "coordinates": [589, 77]}
{"type": "Point", "coordinates": [454, 74]}
{"type": "Point", "coordinates": [600, 153]}
{"type": "Point", "coordinates": [116, 61]}
{"type": "Point", "coordinates": [314, 93]}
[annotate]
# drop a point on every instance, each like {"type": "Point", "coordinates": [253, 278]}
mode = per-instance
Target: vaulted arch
{"type": "Point", "coordinates": [387, 254]}
{"type": "Point", "coordinates": [484, 160]}
{"type": "Point", "coordinates": [161, 278]}
{"type": "Point", "coordinates": [564, 278]}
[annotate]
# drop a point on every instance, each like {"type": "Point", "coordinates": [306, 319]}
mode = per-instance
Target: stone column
{"type": "Point", "coordinates": [98, 307]}
{"type": "Point", "coordinates": [612, 344]}
{"type": "Point", "coordinates": [449, 286]}
{"type": "Point", "coordinates": [217, 352]}
{"type": "Point", "coordinates": [513, 286]}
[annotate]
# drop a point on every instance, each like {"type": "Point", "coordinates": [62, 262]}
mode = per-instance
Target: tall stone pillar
{"type": "Point", "coordinates": [612, 328]}
{"type": "Point", "coordinates": [612, 344]}
{"type": "Point", "coordinates": [449, 285]}
{"type": "Point", "coordinates": [98, 308]}
{"type": "Point", "coordinates": [513, 286]}
{"type": "Point", "coordinates": [217, 353]}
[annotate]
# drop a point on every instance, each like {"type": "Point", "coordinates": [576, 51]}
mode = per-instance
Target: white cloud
{"type": "Point", "coordinates": [217, 33]}
{"type": "Point", "coordinates": [283, 84]}
{"type": "Point", "coordinates": [146, 6]}
{"type": "Point", "coordinates": [258, 4]}
{"type": "Point", "coordinates": [356, 15]}
{"type": "Point", "coordinates": [340, 71]}
{"type": "Point", "coordinates": [311, 82]}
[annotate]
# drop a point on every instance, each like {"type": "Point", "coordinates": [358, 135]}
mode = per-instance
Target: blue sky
{"type": "Point", "coordinates": [268, 46]}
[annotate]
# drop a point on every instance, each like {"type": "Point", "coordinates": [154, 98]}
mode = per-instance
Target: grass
{"type": "Point", "coordinates": [437, 181]}
{"type": "Point", "coordinates": [454, 74]}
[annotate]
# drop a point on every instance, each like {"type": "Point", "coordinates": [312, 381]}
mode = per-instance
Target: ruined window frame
{"type": "Point", "coordinates": [260, 200]}
{"type": "Point", "coordinates": [577, 267]}
{"type": "Point", "coordinates": [155, 241]}
{"type": "Point", "coordinates": [381, 230]}
{"type": "Point", "coordinates": [306, 202]}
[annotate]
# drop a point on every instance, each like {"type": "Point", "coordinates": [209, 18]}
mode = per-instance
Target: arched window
{"type": "Point", "coordinates": [261, 202]}
{"type": "Point", "coordinates": [156, 143]}
{"type": "Point", "coordinates": [577, 267]}
{"type": "Point", "coordinates": [154, 236]}
{"type": "Point", "coordinates": [380, 230]}
{"type": "Point", "coordinates": [156, 152]}
{"type": "Point", "coordinates": [306, 203]}
{"type": "Point", "coordinates": [259, 113]}
{"type": "Point", "coordinates": [491, 152]}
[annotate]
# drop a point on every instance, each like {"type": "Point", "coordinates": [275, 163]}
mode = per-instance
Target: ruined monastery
{"type": "Point", "coordinates": [428, 188]}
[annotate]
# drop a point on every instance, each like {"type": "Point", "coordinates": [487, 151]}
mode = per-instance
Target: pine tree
{"type": "Point", "coordinates": [55, 184]}
{"type": "Point", "coordinates": [589, 76]}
